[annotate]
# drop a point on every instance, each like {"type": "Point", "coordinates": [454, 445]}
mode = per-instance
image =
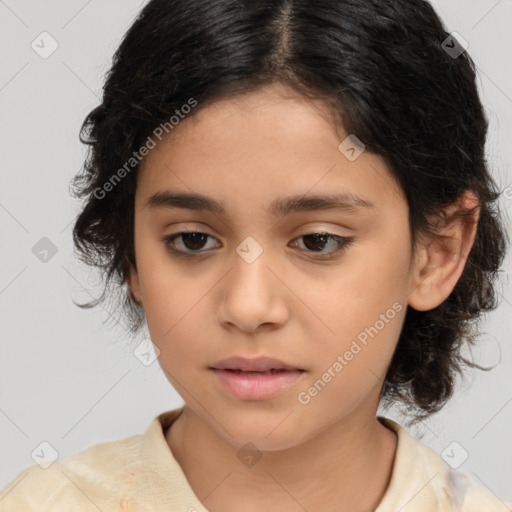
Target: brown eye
{"type": "Point", "coordinates": [194, 241]}
{"type": "Point", "coordinates": [191, 242]}
{"type": "Point", "coordinates": [317, 242]}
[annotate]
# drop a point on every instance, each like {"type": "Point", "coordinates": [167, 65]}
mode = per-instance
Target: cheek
{"type": "Point", "coordinates": [353, 295]}
{"type": "Point", "coordinates": [359, 316]}
{"type": "Point", "coordinates": [163, 288]}
{"type": "Point", "coordinates": [175, 297]}
{"type": "Point", "coordinates": [174, 317]}
{"type": "Point", "coordinates": [173, 305]}
{"type": "Point", "coordinates": [351, 365]}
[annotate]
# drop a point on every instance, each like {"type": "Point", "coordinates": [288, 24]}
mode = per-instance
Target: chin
{"type": "Point", "coordinates": [250, 440]}
{"type": "Point", "coordinates": [273, 431]}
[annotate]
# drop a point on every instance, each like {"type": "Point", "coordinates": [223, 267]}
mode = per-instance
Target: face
{"type": "Point", "coordinates": [257, 280]}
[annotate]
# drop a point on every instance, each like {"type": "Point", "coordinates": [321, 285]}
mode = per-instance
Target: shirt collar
{"type": "Point", "coordinates": [410, 488]}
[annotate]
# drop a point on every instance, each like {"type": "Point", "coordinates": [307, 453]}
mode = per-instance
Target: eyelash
{"type": "Point", "coordinates": [343, 241]}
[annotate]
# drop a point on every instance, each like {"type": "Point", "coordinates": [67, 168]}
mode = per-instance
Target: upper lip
{"type": "Point", "coordinates": [258, 364]}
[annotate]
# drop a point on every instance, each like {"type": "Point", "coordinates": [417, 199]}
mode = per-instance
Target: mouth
{"type": "Point", "coordinates": [256, 365]}
{"type": "Point", "coordinates": [273, 371]}
{"type": "Point", "coordinates": [255, 379]}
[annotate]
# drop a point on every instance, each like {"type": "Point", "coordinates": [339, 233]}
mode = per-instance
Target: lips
{"type": "Point", "coordinates": [256, 365]}
{"type": "Point", "coordinates": [257, 379]}
{"type": "Point", "coordinates": [268, 372]}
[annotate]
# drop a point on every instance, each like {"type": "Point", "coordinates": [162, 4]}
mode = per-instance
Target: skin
{"type": "Point", "coordinates": [299, 304]}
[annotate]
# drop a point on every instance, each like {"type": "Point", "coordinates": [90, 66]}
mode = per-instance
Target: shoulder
{"type": "Point", "coordinates": [93, 478]}
{"type": "Point", "coordinates": [456, 490]}
{"type": "Point", "coordinates": [422, 481]}
{"type": "Point", "coordinates": [470, 495]}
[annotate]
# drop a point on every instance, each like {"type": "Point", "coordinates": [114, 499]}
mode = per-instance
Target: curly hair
{"type": "Point", "coordinates": [386, 71]}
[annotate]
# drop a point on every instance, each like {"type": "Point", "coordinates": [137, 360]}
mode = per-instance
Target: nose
{"type": "Point", "coordinates": [254, 295]}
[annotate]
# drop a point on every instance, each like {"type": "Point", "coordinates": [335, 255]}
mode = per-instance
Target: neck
{"type": "Point", "coordinates": [345, 468]}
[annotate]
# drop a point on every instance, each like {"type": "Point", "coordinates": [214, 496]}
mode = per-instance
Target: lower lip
{"type": "Point", "coordinates": [256, 386]}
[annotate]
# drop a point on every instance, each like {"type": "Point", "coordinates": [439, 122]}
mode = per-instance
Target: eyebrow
{"type": "Point", "coordinates": [279, 207]}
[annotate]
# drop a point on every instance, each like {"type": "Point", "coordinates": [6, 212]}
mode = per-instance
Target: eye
{"type": "Point", "coordinates": [193, 241]}
{"type": "Point", "coordinates": [321, 240]}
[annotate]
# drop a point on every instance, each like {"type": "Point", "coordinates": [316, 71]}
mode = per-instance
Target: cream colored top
{"type": "Point", "coordinates": [140, 474]}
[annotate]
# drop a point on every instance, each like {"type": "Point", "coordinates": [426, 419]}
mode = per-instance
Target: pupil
{"type": "Point", "coordinates": [316, 238]}
{"type": "Point", "coordinates": [196, 244]}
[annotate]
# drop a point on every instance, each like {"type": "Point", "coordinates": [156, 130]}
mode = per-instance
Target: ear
{"type": "Point", "coordinates": [132, 279]}
{"type": "Point", "coordinates": [441, 258]}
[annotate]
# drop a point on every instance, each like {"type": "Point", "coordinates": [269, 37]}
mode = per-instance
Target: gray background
{"type": "Point", "coordinates": [67, 379]}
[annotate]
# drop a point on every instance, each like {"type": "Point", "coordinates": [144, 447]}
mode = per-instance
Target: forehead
{"type": "Point", "coordinates": [258, 148]}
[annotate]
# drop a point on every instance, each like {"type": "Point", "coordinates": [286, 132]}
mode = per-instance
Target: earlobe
{"type": "Point", "coordinates": [441, 258]}
{"type": "Point", "coordinates": [132, 279]}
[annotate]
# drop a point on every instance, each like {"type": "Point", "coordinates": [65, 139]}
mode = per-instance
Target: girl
{"type": "Point", "coordinates": [294, 196]}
